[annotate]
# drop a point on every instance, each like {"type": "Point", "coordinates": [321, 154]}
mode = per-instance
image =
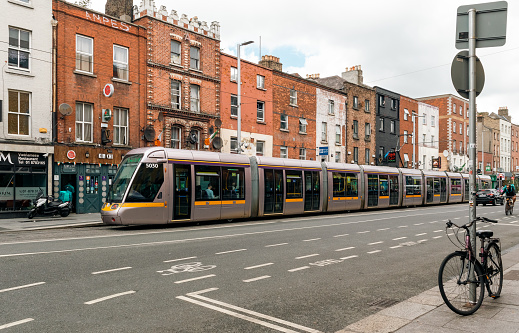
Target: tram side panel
{"type": "Point", "coordinates": [343, 190]}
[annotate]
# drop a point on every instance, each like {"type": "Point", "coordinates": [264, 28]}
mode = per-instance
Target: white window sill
{"type": "Point", "coordinates": [121, 81]}
{"type": "Point", "coordinates": [261, 122]}
{"type": "Point", "coordinates": [196, 70]}
{"type": "Point", "coordinates": [259, 88]}
{"type": "Point", "coordinates": [284, 130]}
{"type": "Point", "coordinates": [84, 73]}
{"type": "Point", "coordinates": [303, 133]}
{"type": "Point", "coordinates": [293, 105]}
{"type": "Point", "coordinates": [16, 71]}
{"type": "Point", "coordinates": [176, 65]}
{"type": "Point", "coordinates": [21, 3]}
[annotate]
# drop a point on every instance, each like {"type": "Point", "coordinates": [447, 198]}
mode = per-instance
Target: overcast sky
{"type": "Point", "coordinates": [406, 46]}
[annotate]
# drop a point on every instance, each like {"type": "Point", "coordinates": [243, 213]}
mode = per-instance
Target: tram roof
{"type": "Point", "coordinates": [285, 162]}
{"type": "Point", "coordinates": [454, 175]}
{"type": "Point", "coordinates": [381, 169]}
{"type": "Point", "coordinates": [434, 173]}
{"type": "Point", "coordinates": [342, 166]}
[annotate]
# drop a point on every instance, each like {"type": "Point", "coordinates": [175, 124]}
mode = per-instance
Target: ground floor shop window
{"type": "Point", "coordinates": [19, 186]}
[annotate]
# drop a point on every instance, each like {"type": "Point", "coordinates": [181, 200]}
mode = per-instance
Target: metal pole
{"type": "Point", "coordinates": [472, 141]}
{"type": "Point", "coordinates": [414, 139]}
{"type": "Point", "coordinates": [482, 149]}
{"type": "Point", "coordinates": [238, 136]}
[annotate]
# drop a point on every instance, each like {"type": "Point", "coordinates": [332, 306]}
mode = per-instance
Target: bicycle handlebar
{"type": "Point", "coordinates": [479, 218]}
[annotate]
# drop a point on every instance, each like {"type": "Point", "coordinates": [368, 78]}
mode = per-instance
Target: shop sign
{"type": "Point", "coordinates": [71, 154]}
{"type": "Point", "coordinates": [21, 159]}
{"type": "Point", "coordinates": [108, 90]}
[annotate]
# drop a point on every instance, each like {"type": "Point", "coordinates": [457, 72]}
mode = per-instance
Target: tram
{"type": "Point", "coordinates": [158, 185]}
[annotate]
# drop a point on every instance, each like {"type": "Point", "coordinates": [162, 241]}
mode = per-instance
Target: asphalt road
{"type": "Point", "coordinates": [316, 273]}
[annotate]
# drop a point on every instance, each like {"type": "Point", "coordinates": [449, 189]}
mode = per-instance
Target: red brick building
{"type": "Point", "coordinates": [182, 79]}
{"type": "Point", "coordinates": [95, 126]}
{"type": "Point", "coordinates": [408, 107]}
{"type": "Point", "coordinates": [257, 121]}
{"type": "Point", "coordinates": [515, 149]}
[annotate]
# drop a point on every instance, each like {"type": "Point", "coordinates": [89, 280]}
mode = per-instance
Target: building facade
{"type": "Point", "coordinates": [405, 149]}
{"type": "Point", "coordinates": [428, 135]}
{"type": "Point", "coordinates": [485, 134]}
{"type": "Point", "coordinates": [100, 100]}
{"type": "Point", "coordinates": [514, 149]}
{"type": "Point", "coordinates": [26, 127]}
{"type": "Point", "coordinates": [388, 127]}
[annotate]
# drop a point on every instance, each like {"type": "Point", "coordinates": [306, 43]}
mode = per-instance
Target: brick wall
{"type": "Point", "coordinates": [411, 106]}
{"type": "Point", "coordinates": [362, 116]}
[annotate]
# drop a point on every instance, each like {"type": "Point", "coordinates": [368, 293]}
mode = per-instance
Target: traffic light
{"type": "Point", "coordinates": [105, 136]}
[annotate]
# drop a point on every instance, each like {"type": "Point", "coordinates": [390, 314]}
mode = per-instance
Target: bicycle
{"type": "Point", "coordinates": [509, 207]}
{"type": "Point", "coordinates": [464, 294]}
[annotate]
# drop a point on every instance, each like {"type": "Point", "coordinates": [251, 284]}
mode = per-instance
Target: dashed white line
{"type": "Point", "coordinates": [418, 224]}
{"type": "Point", "coordinates": [382, 229]}
{"type": "Point", "coordinates": [179, 259]}
{"type": "Point", "coordinates": [276, 244]}
{"type": "Point", "coordinates": [346, 248]}
{"type": "Point", "coordinates": [399, 238]}
{"type": "Point", "coordinates": [421, 234]}
{"type": "Point", "coordinates": [257, 278]}
{"type": "Point", "coordinates": [19, 322]}
{"type": "Point", "coordinates": [258, 266]}
{"type": "Point", "coordinates": [402, 226]}
{"type": "Point", "coordinates": [308, 256]}
{"type": "Point", "coordinates": [232, 251]}
{"type": "Point", "coordinates": [111, 270]}
{"type": "Point", "coordinates": [350, 257]}
{"type": "Point", "coordinates": [395, 247]}
{"type": "Point", "coordinates": [109, 297]}
{"type": "Point", "coordinates": [376, 243]}
{"type": "Point", "coordinates": [341, 235]}
{"type": "Point", "coordinates": [311, 240]}
{"type": "Point", "coordinates": [20, 287]}
{"type": "Point", "coordinates": [437, 237]}
{"type": "Point", "coordinates": [194, 279]}
{"type": "Point", "coordinates": [298, 269]}
{"type": "Point", "coordinates": [363, 232]}
{"type": "Point", "coordinates": [371, 252]}
{"type": "Point", "coordinates": [422, 240]}
{"type": "Point", "coordinates": [437, 230]}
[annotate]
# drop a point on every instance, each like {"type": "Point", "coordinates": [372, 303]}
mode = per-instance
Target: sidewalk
{"type": "Point", "coordinates": [49, 222]}
{"type": "Point", "coordinates": [428, 313]}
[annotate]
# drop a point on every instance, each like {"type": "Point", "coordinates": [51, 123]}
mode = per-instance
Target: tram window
{"type": "Point", "coordinates": [466, 187]}
{"type": "Point", "coordinates": [413, 185]}
{"type": "Point", "coordinates": [384, 189]}
{"type": "Point", "coordinates": [437, 186]}
{"type": "Point", "coordinates": [351, 185]}
{"type": "Point", "coordinates": [122, 178]}
{"type": "Point", "coordinates": [294, 184]}
{"type": "Point", "coordinates": [455, 186]}
{"type": "Point", "coordinates": [233, 183]}
{"type": "Point", "coordinates": [207, 182]}
{"type": "Point", "coordinates": [147, 183]}
{"type": "Point", "coordinates": [339, 184]}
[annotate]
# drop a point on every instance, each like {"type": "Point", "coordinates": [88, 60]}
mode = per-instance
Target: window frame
{"type": "Point", "coordinates": [260, 81]}
{"type": "Point", "coordinates": [19, 49]}
{"type": "Point", "coordinates": [125, 65]}
{"type": "Point", "coordinates": [90, 55]}
{"type": "Point", "coordinates": [260, 152]}
{"type": "Point", "coordinates": [176, 142]}
{"type": "Point", "coordinates": [381, 125]}
{"type": "Point", "coordinates": [234, 74]}
{"type": "Point", "coordinates": [293, 97]}
{"type": "Point", "coordinates": [367, 130]}
{"type": "Point", "coordinates": [367, 156]}
{"type": "Point", "coordinates": [234, 106]}
{"type": "Point", "coordinates": [338, 134]}
{"type": "Point", "coordinates": [406, 114]}
{"type": "Point", "coordinates": [392, 126]}
{"type": "Point", "coordinates": [324, 132]}
{"type": "Point", "coordinates": [82, 122]}
{"type": "Point", "coordinates": [176, 58]}
{"type": "Point", "coordinates": [356, 155]}
{"type": "Point", "coordinates": [176, 95]}
{"type": "Point", "coordinates": [283, 152]}
{"type": "Point", "coordinates": [356, 102]}
{"type": "Point", "coordinates": [233, 142]}
{"type": "Point", "coordinates": [331, 107]}
{"type": "Point", "coordinates": [123, 128]}
{"type": "Point", "coordinates": [302, 153]}
{"type": "Point", "coordinates": [194, 57]}
{"type": "Point", "coordinates": [260, 111]}
{"type": "Point", "coordinates": [406, 135]}
{"type": "Point", "coordinates": [355, 129]}
{"type": "Point", "coordinates": [195, 99]}
{"type": "Point", "coordinates": [303, 123]}
{"type": "Point", "coordinates": [366, 105]}
{"type": "Point", "coordinates": [285, 121]}
{"type": "Point", "coordinates": [18, 112]}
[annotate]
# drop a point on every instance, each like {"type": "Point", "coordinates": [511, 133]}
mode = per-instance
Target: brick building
{"type": "Point", "coordinates": [183, 77]}
{"type": "Point", "coordinates": [514, 167]}
{"type": "Point", "coordinates": [454, 122]}
{"type": "Point", "coordinates": [257, 120]}
{"type": "Point", "coordinates": [485, 134]}
{"type": "Point", "coordinates": [408, 107]}
{"type": "Point", "coordinates": [388, 126]}
{"type": "Point", "coordinates": [100, 89]}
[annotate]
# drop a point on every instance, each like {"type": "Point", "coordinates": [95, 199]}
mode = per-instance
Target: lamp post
{"type": "Point", "coordinates": [238, 136]}
{"type": "Point", "coordinates": [483, 146]}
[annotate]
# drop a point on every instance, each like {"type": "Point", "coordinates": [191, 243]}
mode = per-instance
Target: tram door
{"type": "Point", "coordinates": [273, 201]}
{"type": "Point", "coordinates": [182, 193]}
{"type": "Point", "coordinates": [312, 190]}
{"type": "Point", "coordinates": [443, 189]}
{"type": "Point", "coordinates": [372, 190]}
{"type": "Point", "coordinates": [430, 189]}
{"type": "Point", "coordinates": [394, 190]}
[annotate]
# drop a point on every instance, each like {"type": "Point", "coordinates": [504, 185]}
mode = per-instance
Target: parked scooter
{"type": "Point", "coordinates": [44, 205]}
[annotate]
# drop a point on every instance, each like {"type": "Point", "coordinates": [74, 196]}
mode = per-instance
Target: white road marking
{"type": "Point", "coordinates": [371, 252]}
{"type": "Point", "coordinates": [346, 248]}
{"type": "Point", "coordinates": [395, 247]}
{"type": "Point", "coordinates": [376, 243]}
{"type": "Point", "coordinates": [382, 229]}
{"type": "Point", "coordinates": [437, 230]}
{"type": "Point", "coordinates": [422, 240]}
{"type": "Point", "coordinates": [437, 237]}
{"type": "Point", "coordinates": [179, 259]}
{"type": "Point", "coordinates": [257, 278]}
{"type": "Point", "coordinates": [276, 244]}
{"type": "Point", "coordinates": [311, 240]}
{"type": "Point", "coordinates": [232, 251]}
{"type": "Point", "coordinates": [399, 238]}
{"type": "Point", "coordinates": [341, 235]}
{"type": "Point", "coordinates": [111, 270]}
{"type": "Point", "coordinates": [257, 266]}
{"type": "Point", "coordinates": [19, 322]}
{"type": "Point", "coordinates": [194, 279]}
{"type": "Point", "coordinates": [421, 234]}
{"type": "Point", "coordinates": [298, 269]}
{"type": "Point", "coordinates": [363, 232]}
{"type": "Point", "coordinates": [350, 257]}
{"type": "Point", "coordinates": [418, 224]}
{"type": "Point", "coordinates": [20, 287]}
{"type": "Point", "coordinates": [403, 226]}
{"type": "Point", "coordinates": [109, 297]}
{"type": "Point", "coordinates": [308, 256]}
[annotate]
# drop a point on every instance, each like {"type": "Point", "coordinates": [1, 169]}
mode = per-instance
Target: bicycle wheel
{"type": "Point", "coordinates": [455, 286]}
{"type": "Point", "coordinates": [494, 271]}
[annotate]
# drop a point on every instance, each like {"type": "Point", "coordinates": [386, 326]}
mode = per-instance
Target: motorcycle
{"type": "Point", "coordinates": [44, 205]}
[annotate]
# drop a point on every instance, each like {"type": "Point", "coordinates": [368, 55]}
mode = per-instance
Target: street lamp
{"type": "Point", "coordinates": [238, 137]}
{"type": "Point", "coordinates": [415, 115]}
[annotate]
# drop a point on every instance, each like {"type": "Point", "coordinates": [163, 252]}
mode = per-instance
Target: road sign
{"type": "Point", "coordinates": [460, 74]}
{"type": "Point", "coordinates": [490, 25]}
{"type": "Point", "coordinates": [323, 151]}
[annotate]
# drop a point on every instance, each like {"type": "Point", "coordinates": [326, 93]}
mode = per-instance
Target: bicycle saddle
{"type": "Point", "coordinates": [484, 233]}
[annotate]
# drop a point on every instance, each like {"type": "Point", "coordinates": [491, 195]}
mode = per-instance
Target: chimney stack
{"type": "Point", "coordinates": [271, 62]}
{"type": "Point", "coordinates": [122, 9]}
{"type": "Point", "coordinates": [313, 76]}
{"type": "Point", "coordinates": [353, 75]}
{"type": "Point", "coordinates": [503, 111]}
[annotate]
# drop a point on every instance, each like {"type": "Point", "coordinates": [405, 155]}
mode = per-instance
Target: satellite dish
{"type": "Point", "coordinates": [193, 137]}
{"type": "Point", "coordinates": [149, 134]}
{"type": "Point", "coordinates": [218, 123]}
{"type": "Point", "coordinates": [445, 153]}
{"type": "Point", "coordinates": [65, 109]}
{"type": "Point", "coordinates": [161, 116]}
{"type": "Point", "coordinates": [217, 143]}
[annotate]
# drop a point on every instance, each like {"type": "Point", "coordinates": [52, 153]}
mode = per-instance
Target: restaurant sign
{"type": "Point", "coordinates": [21, 159]}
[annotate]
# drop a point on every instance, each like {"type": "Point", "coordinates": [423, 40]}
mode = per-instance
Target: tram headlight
{"type": "Point", "coordinates": [114, 206]}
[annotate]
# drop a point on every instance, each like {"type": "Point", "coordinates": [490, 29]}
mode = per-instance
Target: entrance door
{"type": "Point", "coordinates": [312, 191]}
{"type": "Point", "coordinates": [372, 190]}
{"type": "Point", "coordinates": [182, 193]}
{"type": "Point", "coordinates": [273, 200]}
{"type": "Point", "coordinates": [393, 190]}
{"type": "Point", "coordinates": [91, 200]}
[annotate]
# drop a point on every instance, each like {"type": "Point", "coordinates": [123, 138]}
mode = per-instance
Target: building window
{"type": "Point", "coordinates": [121, 63]}
{"type": "Point", "coordinates": [195, 133]}
{"type": "Point", "coordinates": [355, 102]}
{"type": "Point", "coordinates": [84, 122]}
{"type": "Point", "coordinates": [84, 54]}
{"type": "Point", "coordinates": [381, 124]}
{"type": "Point", "coordinates": [461, 110]}
{"type": "Point", "coordinates": [406, 114]}
{"type": "Point", "coordinates": [293, 97]}
{"type": "Point", "coordinates": [175, 52]}
{"type": "Point", "coordinates": [355, 154]}
{"type": "Point", "coordinates": [337, 157]}
{"type": "Point", "coordinates": [454, 126]}
{"type": "Point", "coordinates": [324, 130]}
{"type": "Point", "coordinates": [405, 136]}
{"type": "Point", "coordinates": [234, 144]}
{"type": "Point", "coordinates": [461, 129]}
{"type": "Point", "coordinates": [195, 58]}
{"type": "Point", "coordinates": [423, 139]}
{"type": "Point", "coordinates": [260, 145]}
{"type": "Point", "coordinates": [283, 122]}
{"type": "Point", "coordinates": [234, 106]}
{"type": "Point", "coordinates": [175, 94]}
{"type": "Point", "coordinates": [381, 101]}
{"type": "Point", "coordinates": [19, 113]}
{"type": "Point", "coordinates": [394, 104]}
{"type": "Point", "coordinates": [366, 105]}
{"type": "Point", "coordinates": [381, 152]}
{"type": "Point", "coordinates": [176, 137]}
{"type": "Point", "coordinates": [367, 156]}
{"type": "Point", "coordinates": [433, 144]}
{"type": "Point", "coordinates": [283, 152]}
{"type": "Point", "coordinates": [454, 108]}
{"type": "Point", "coordinates": [433, 121]}
{"type": "Point", "coordinates": [454, 146]}
{"type": "Point", "coordinates": [338, 134]}
{"type": "Point", "coordinates": [234, 74]}
{"type": "Point", "coordinates": [355, 129]}
{"type": "Point", "coordinates": [302, 153]}
{"type": "Point", "coordinates": [424, 119]}
{"type": "Point", "coordinates": [331, 107]}
{"type": "Point", "coordinates": [392, 125]}
{"type": "Point", "coordinates": [367, 130]}
{"type": "Point", "coordinates": [260, 81]}
{"type": "Point", "coordinates": [195, 98]}
{"type": "Point", "coordinates": [19, 48]}
{"type": "Point", "coordinates": [120, 126]}
{"type": "Point", "coordinates": [261, 111]}
{"type": "Point", "coordinates": [302, 125]}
